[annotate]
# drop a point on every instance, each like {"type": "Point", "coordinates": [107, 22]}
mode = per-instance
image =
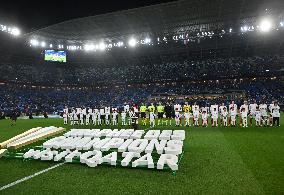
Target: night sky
{"type": "Point", "coordinates": [30, 15]}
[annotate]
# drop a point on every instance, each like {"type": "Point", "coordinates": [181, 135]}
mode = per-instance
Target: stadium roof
{"type": "Point", "coordinates": [167, 18]}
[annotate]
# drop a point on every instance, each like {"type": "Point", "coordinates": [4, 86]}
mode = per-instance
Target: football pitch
{"type": "Point", "coordinates": [215, 161]}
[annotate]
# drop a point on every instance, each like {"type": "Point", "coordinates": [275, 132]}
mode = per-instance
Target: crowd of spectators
{"type": "Point", "coordinates": [143, 71]}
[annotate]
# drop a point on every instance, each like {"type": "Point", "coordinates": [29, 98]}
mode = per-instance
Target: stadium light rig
{"type": "Point", "coordinates": [263, 25]}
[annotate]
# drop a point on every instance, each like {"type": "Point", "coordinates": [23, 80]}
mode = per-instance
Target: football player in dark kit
{"type": "Point", "coordinates": [169, 111]}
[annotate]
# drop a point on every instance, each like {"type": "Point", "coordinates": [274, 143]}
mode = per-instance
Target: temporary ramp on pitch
{"type": "Point", "coordinates": [4, 144]}
{"type": "Point", "coordinates": [154, 149]}
{"type": "Point", "coordinates": [31, 136]}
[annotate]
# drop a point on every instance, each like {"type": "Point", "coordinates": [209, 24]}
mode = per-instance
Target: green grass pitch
{"type": "Point", "coordinates": [216, 161]}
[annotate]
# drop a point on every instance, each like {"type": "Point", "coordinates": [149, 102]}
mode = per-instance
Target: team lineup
{"type": "Point", "coordinates": [183, 115]}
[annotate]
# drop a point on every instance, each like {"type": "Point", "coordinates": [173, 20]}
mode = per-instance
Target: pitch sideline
{"type": "Point", "coordinates": [30, 176]}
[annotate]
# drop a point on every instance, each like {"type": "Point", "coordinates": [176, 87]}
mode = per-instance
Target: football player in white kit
{"type": "Point", "coordinates": [204, 118]}
{"type": "Point", "coordinates": [276, 114]}
{"type": "Point", "coordinates": [252, 111]}
{"type": "Point", "coordinates": [244, 116]}
{"type": "Point", "coordinates": [187, 119]}
{"type": "Point", "coordinates": [246, 109]}
{"type": "Point", "coordinates": [212, 108]}
{"type": "Point", "coordinates": [107, 115]}
{"type": "Point", "coordinates": [225, 116]}
{"type": "Point", "coordinates": [76, 119]}
{"type": "Point", "coordinates": [88, 115]}
{"type": "Point", "coordinates": [123, 118]}
{"type": "Point", "coordinates": [270, 117]}
{"type": "Point", "coordinates": [94, 116]}
{"type": "Point", "coordinates": [71, 116]}
{"type": "Point", "coordinates": [84, 111]}
{"type": "Point", "coordinates": [99, 117]}
{"type": "Point", "coordinates": [233, 115]}
{"type": "Point", "coordinates": [102, 116]}
{"type": "Point", "coordinates": [257, 117]}
{"type": "Point", "coordinates": [235, 107]}
{"type": "Point", "coordinates": [263, 112]}
{"type": "Point", "coordinates": [152, 117]}
{"type": "Point", "coordinates": [221, 110]}
{"type": "Point", "coordinates": [65, 118]}
{"type": "Point", "coordinates": [81, 118]}
{"type": "Point", "coordinates": [177, 118]}
{"type": "Point", "coordinates": [114, 117]}
{"type": "Point", "coordinates": [214, 115]}
{"type": "Point", "coordinates": [195, 110]}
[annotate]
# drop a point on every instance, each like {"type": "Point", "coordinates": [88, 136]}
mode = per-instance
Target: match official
{"type": "Point", "coordinates": [160, 109]}
{"type": "Point", "coordinates": [142, 110]}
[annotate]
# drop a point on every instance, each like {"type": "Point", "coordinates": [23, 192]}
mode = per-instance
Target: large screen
{"type": "Point", "coordinates": [55, 56]}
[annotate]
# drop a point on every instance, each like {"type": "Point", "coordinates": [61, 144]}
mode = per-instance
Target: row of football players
{"type": "Point", "coordinates": [190, 115]}
{"type": "Point", "coordinates": [252, 111]}
{"type": "Point", "coordinates": [96, 117]}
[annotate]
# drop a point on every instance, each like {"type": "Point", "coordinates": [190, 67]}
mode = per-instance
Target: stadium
{"type": "Point", "coordinates": [156, 97]}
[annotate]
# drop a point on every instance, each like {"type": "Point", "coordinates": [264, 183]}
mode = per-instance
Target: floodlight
{"type": "Point", "coordinates": [16, 32]}
{"type": "Point", "coordinates": [89, 47]}
{"type": "Point", "coordinates": [34, 42]}
{"type": "Point", "coordinates": [147, 40]}
{"type": "Point", "coordinates": [120, 44]}
{"type": "Point", "coordinates": [43, 44]}
{"type": "Point", "coordinates": [132, 42]}
{"type": "Point", "coordinates": [102, 46]}
{"type": "Point", "coordinates": [265, 25]}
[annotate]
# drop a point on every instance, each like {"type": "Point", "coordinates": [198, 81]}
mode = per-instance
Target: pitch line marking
{"type": "Point", "coordinates": [30, 177]}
